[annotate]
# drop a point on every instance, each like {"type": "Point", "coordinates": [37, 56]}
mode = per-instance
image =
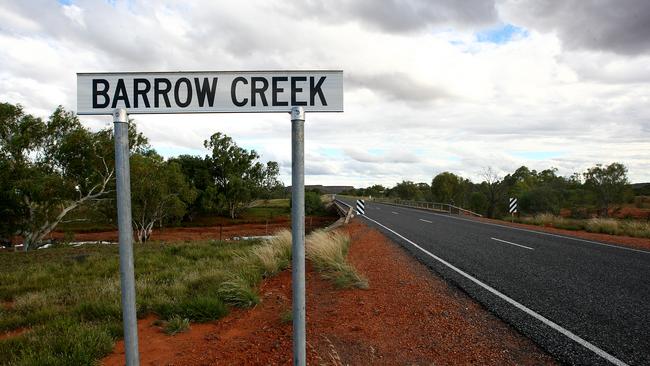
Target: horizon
{"type": "Point", "coordinates": [455, 87]}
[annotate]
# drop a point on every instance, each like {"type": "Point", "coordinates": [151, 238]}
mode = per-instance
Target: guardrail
{"type": "Point", "coordinates": [431, 206]}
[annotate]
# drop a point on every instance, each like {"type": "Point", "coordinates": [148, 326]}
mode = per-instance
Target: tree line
{"type": "Point", "coordinates": [50, 168]}
{"type": "Point", "coordinates": [592, 192]}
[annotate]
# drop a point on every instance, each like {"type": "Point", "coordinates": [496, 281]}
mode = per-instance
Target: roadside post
{"type": "Point", "coordinates": [298, 235]}
{"type": "Point", "coordinates": [127, 275]}
{"type": "Point", "coordinates": [512, 208]}
{"type": "Point", "coordinates": [295, 92]}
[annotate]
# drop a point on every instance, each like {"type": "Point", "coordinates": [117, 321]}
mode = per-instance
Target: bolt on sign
{"type": "Point", "coordinates": [210, 92]}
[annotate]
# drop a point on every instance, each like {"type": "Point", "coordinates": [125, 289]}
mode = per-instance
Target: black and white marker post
{"type": "Point", "coordinates": [361, 207]}
{"type": "Point", "coordinates": [512, 208]}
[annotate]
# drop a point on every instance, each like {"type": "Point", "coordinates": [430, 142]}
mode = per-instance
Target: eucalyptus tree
{"type": "Point", "coordinates": [49, 169]}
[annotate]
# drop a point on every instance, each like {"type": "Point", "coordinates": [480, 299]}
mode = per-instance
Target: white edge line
{"type": "Point", "coordinates": [508, 242]}
{"type": "Point", "coordinates": [530, 231]}
{"type": "Point", "coordinates": [395, 213]}
{"type": "Point", "coordinates": [430, 222]}
{"type": "Point", "coordinates": [516, 304]}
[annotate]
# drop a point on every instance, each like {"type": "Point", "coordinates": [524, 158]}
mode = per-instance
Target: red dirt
{"type": "Point", "coordinates": [13, 333]}
{"type": "Point", "coordinates": [208, 232]}
{"type": "Point", "coordinates": [408, 316]}
{"type": "Point", "coordinates": [628, 241]}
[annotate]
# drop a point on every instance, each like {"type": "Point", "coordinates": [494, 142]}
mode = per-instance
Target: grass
{"type": "Point", "coordinates": [286, 316]}
{"type": "Point", "coordinates": [634, 228]}
{"type": "Point", "coordinates": [72, 307]}
{"type": "Point", "coordinates": [327, 250]}
{"type": "Point", "coordinates": [176, 325]}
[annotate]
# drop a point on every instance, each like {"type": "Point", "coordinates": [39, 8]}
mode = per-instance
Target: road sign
{"type": "Point", "coordinates": [512, 205]}
{"type": "Point", "coordinates": [210, 92]}
{"type": "Point", "coordinates": [361, 207]}
{"type": "Point", "coordinates": [293, 92]}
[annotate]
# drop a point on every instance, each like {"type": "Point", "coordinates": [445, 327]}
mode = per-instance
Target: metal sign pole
{"type": "Point", "coordinates": [127, 276]}
{"type": "Point", "coordinates": [298, 234]}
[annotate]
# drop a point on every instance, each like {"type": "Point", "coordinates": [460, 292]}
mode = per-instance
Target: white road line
{"type": "Point", "coordinates": [430, 222]}
{"type": "Point", "coordinates": [516, 304]}
{"type": "Point", "coordinates": [532, 231]}
{"type": "Point", "coordinates": [394, 213]}
{"type": "Point", "coordinates": [511, 243]}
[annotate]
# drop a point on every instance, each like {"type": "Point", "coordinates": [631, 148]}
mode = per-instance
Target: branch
{"type": "Point", "coordinates": [73, 220]}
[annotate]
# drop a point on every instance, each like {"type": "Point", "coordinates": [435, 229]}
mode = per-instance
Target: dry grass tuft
{"type": "Point", "coordinates": [328, 251]}
{"type": "Point", "coordinates": [605, 226]}
{"type": "Point", "coordinates": [275, 254]}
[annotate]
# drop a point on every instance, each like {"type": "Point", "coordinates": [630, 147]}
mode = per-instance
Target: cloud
{"type": "Point", "coordinates": [397, 16]}
{"type": "Point", "coordinates": [398, 86]}
{"type": "Point", "coordinates": [621, 27]}
{"type": "Point", "coordinates": [430, 86]}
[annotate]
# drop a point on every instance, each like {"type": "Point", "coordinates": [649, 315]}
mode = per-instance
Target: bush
{"type": "Point", "coordinates": [637, 228]}
{"type": "Point", "coordinates": [198, 309]}
{"type": "Point", "coordinates": [540, 200]}
{"type": "Point", "coordinates": [275, 254]}
{"type": "Point", "coordinates": [63, 342]}
{"type": "Point", "coordinates": [176, 325]}
{"type": "Point", "coordinates": [605, 226]}
{"type": "Point", "coordinates": [239, 293]}
{"type": "Point", "coordinates": [328, 251]}
{"type": "Point", "coordinates": [313, 204]}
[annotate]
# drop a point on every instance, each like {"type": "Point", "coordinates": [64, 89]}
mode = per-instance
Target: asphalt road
{"type": "Point", "coordinates": [585, 302]}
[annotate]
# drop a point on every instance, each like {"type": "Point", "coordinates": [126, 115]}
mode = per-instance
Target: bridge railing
{"type": "Point", "coordinates": [431, 206]}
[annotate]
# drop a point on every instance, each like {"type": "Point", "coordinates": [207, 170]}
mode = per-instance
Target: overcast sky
{"type": "Point", "coordinates": [430, 86]}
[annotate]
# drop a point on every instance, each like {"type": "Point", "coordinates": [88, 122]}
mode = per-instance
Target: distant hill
{"type": "Point", "coordinates": [325, 189]}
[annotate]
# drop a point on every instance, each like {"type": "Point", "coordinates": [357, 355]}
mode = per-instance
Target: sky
{"type": "Point", "coordinates": [429, 86]}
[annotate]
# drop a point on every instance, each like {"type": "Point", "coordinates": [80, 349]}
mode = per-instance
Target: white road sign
{"type": "Point", "coordinates": [210, 92]}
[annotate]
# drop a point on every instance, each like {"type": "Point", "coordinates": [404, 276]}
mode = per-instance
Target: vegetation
{"type": "Point", "coordinates": [69, 298]}
{"type": "Point", "coordinates": [176, 325]}
{"type": "Point", "coordinates": [592, 193]}
{"type": "Point", "coordinates": [159, 191]}
{"type": "Point", "coordinates": [48, 169]}
{"type": "Point", "coordinates": [327, 251]}
{"type": "Point", "coordinates": [594, 225]}
{"type": "Point", "coordinates": [58, 172]}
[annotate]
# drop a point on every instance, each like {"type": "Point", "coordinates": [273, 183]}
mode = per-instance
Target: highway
{"type": "Point", "coordinates": [585, 302]}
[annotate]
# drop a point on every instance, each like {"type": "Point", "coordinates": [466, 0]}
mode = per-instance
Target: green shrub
{"type": "Point", "coordinates": [176, 325]}
{"type": "Point", "coordinates": [63, 342]}
{"type": "Point", "coordinates": [313, 204]}
{"type": "Point", "coordinates": [198, 309]}
{"type": "Point", "coordinates": [239, 293]}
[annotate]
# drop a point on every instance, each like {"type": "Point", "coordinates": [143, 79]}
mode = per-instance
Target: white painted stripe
{"type": "Point", "coordinates": [508, 242]}
{"type": "Point", "coordinates": [430, 222]}
{"type": "Point", "coordinates": [395, 213]}
{"type": "Point", "coordinates": [516, 304]}
{"type": "Point", "coordinates": [530, 231]}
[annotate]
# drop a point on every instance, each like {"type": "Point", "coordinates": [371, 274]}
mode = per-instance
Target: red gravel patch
{"type": "Point", "coordinates": [207, 233]}
{"type": "Point", "coordinates": [407, 316]}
